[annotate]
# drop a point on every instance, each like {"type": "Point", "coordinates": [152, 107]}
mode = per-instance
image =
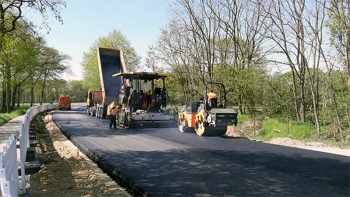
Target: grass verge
{"type": "Point", "coordinates": [269, 128]}
{"type": "Point", "coordinates": [18, 111]}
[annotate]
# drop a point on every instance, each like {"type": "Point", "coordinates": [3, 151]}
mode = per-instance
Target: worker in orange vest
{"type": "Point", "coordinates": [112, 117]}
{"type": "Point", "coordinates": [211, 95]}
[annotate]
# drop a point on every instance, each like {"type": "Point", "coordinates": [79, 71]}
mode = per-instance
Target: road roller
{"type": "Point", "coordinates": [208, 116]}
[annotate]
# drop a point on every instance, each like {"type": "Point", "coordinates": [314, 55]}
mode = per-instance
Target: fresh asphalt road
{"type": "Point", "coordinates": [166, 162]}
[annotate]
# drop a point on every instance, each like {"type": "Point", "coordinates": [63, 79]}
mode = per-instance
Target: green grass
{"type": "Point", "coordinates": [243, 118]}
{"type": "Point", "coordinates": [274, 128]}
{"type": "Point", "coordinates": [18, 111]}
{"type": "Point", "coordinates": [270, 128]}
{"type": "Point", "coordinates": [40, 128]}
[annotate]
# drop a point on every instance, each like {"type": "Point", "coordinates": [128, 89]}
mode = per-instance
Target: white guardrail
{"type": "Point", "coordinates": [8, 158]}
{"type": "Point", "coordinates": [9, 169]}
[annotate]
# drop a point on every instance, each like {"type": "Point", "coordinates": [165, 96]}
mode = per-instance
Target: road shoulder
{"type": "Point", "coordinates": [66, 171]}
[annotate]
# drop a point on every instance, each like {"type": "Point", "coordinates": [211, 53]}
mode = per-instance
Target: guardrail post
{"type": "Point", "coordinates": [6, 189]}
{"type": "Point", "coordinates": [23, 154]}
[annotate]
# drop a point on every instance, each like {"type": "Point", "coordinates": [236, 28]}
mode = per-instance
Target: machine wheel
{"type": "Point", "coordinates": [199, 128]}
{"type": "Point", "coordinates": [203, 129]}
{"type": "Point", "coordinates": [182, 126]}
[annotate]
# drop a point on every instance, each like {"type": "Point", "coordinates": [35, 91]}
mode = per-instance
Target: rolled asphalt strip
{"type": "Point", "coordinates": [33, 161]}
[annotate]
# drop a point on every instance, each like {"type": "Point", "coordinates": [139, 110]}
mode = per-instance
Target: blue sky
{"type": "Point", "coordinates": [85, 20]}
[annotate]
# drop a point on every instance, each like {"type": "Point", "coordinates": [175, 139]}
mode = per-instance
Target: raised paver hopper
{"type": "Point", "coordinates": [110, 62]}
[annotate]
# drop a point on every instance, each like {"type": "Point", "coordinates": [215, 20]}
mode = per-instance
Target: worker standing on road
{"type": "Point", "coordinates": [211, 95]}
{"type": "Point", "coordinates": [112, 117]}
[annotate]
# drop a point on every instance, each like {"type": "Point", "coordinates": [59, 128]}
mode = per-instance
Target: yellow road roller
{"type": "Point", "coordinates": [208, 116]}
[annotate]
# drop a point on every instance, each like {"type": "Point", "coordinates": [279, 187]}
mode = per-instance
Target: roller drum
{"type": "Point", "coordinates": [203, 129]}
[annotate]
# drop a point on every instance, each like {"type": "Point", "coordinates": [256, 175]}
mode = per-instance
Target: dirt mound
{"type": "Point", "coordinates": [285, 141]}
{"type": "Point", "coordinates": [235, 132]}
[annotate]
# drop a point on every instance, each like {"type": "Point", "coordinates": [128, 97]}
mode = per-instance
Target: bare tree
{"type": "Point", "coordinates": [11, 12]}
{"type": "Point", "coordinates": [287, 31]}
{"type": "Point", "coordinates": [244, 32]}
{"type": "Point", "coordinates": [339, 24]}
{"type": "Point", "coordinates": [315, 17]}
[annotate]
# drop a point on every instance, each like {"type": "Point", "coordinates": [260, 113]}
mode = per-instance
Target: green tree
{"type": "Point", "coordinates": [17, 60]}
{"type": "Point", "coordinates": [115, 40]}
{"type": "Point", "coordinates": [53, 64]}
{"type": "Point", "coordinates": [12, 18]}
{"type": "Point", "coordinates": [77, 90]}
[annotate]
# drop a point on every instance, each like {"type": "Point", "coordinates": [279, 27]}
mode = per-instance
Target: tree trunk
{"type": "Point", "coordinates": [18, 95]}
{"type": "Point", "coordinates": [302, 98]}
{"type": "Point", "coordinates": [8, 100]}
{"type": "Point", "coordinates": [4, 96]}
{"type": "Point", "coordinates": [42, 96]}
{"type": "Point", "coordinates": [14, 97]}
{"type": "Point", "coordinates": [295, 96]}
{"type": "Point", "coordinates": [334, 97]}
{"type": "Point", "coordinates": [240, 105]}
{"type": "Point", "coordinates": [347, 113]}
{"type": "Point", "coordinates": [31, 96]}
{"type": "Point", "coordinates": [314, 102]}
{"type": "Point", "coordinates": [348, 59]}
{"type": "Point", "coordinates": [42, 91]}
{"type": "Point", "coordinates": [8, 91]}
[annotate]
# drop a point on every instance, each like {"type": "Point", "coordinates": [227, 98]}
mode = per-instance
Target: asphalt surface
{"type": "Point", "coordinates": [165, 162]}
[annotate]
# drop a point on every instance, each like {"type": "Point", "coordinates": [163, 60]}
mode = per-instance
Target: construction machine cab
{"type": "Point", "coordinates": [213, 103]}
{"type": "Point", "coordinates": [218, 102]}
{"type": "Point", "coordinates": [143, 90]}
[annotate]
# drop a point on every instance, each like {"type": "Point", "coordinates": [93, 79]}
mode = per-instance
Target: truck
{"type": "Point", "coordinates": [110, 61]}
{"type": "Point", "coordinates": [93, 99]}
{"type": "Point", "coordinates": [64, 102]}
